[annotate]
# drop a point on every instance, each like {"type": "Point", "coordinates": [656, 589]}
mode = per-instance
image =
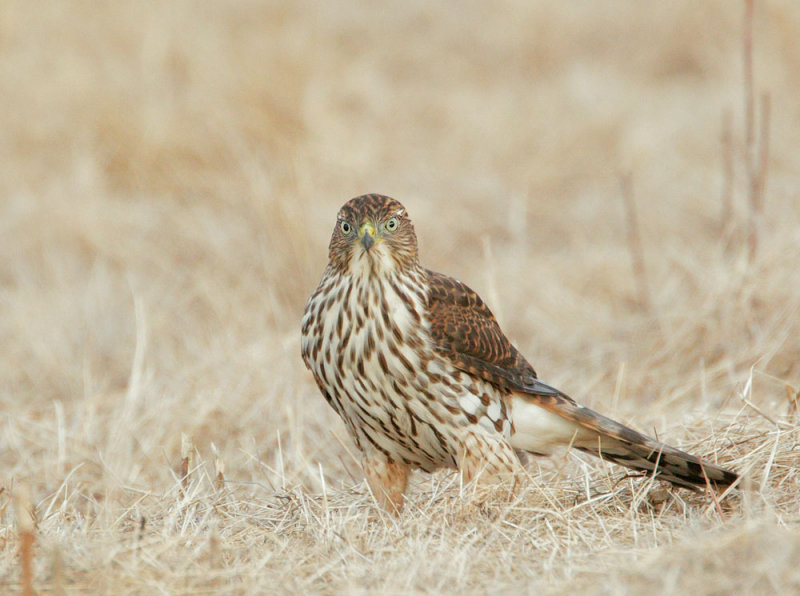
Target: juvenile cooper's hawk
{"type": "Point", "coordinates": [417, 367]}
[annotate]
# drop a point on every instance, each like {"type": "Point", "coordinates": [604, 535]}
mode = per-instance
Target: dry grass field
{"type": "Point", "coordinates": [169, 177]}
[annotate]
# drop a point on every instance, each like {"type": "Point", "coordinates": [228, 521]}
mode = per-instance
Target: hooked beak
{"type": "Point", "coordinates": [367, 235]}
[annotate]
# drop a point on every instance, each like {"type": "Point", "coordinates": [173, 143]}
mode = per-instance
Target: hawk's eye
{"type": "Point", "coordinates": [391, 225]}
{"type": "Point", "coordinates": [346, 228]}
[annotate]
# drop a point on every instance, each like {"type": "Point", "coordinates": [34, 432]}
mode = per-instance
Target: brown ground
{"type": "Point", "coordinates": [169, 176]}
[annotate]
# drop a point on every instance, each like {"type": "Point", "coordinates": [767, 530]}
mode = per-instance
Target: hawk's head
{"type": "Point", "coordinates": [373, 233]}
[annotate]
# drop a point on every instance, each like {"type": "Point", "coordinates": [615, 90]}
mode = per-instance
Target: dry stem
{"type": "Point", "coordinates": [634, 241]}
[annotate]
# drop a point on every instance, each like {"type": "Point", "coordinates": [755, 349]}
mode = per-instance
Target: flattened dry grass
{"type": "Point", "coordinates": [169, 175]}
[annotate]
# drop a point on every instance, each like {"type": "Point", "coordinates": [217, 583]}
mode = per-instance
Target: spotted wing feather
{"type": "Point", "coordinates": [465, 330]}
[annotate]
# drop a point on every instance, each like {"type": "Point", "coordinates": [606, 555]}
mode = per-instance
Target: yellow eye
{"type": "Point", "coordinates": [392, 224]}
{"type": "Point", "coordinates": [346, 228]}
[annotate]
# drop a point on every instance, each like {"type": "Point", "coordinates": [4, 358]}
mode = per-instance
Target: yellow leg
{"type": "Point", "coordinates": [387, 480]}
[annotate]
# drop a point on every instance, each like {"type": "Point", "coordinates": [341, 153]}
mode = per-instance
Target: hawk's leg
{"type": "Point", "coordinates": [490, 463]}
{"type": "Point", "coordinates": [387, 480]}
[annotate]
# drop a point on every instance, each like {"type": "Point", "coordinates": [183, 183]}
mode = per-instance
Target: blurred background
{"type": "Point", "coordinates": [170, 174]}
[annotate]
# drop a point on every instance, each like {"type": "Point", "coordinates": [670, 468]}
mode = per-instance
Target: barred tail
{"type": "Point", "coordinates": [544, 421]}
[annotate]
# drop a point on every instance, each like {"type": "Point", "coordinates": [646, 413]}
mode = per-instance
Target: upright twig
{"type": "Point", "coordinates": [747, 64]}
{"type": "Point", "coordinates": [186, 461]}
{"type": "Point", "coordinates": [219, 468]}
{"type": "Point", "coordinates": [756, 148]}
{"type": "Point", "coordinates": [726, 212]}
{"type": "Point", "coordinates": [634, 240]}
{"type": "Point", "coordinates": [758, 182]}
{"type": "Point", "coordinates": [793, 395]}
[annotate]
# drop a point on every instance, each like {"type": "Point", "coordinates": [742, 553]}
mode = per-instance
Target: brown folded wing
{"type": "Point", "coordinates": [466, 331]}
